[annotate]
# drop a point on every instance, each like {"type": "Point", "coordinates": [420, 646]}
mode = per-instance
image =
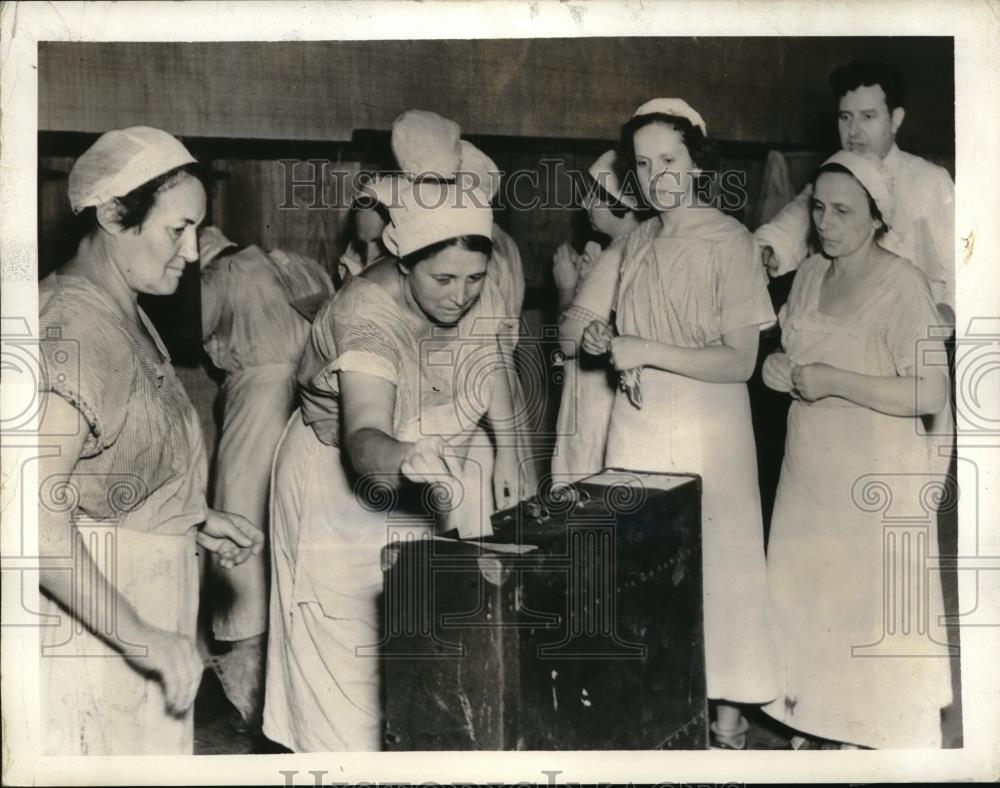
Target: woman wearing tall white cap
{"type": "Point", "coordinates": [690, 304]}
{"type": "Point", "coordinates": [855, 333]}
{"type": "Point", "coordinates": [391, 398]}
{"type": "Point", "coordinates": [587, 284]}
{"type": "Point", "coordinates": [124, 495]}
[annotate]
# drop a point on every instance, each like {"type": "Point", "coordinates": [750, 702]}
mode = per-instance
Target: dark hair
{"type": "Point", "coordinates": [700, 148]}
{"type": "Point", "coordinates": [618, 209]}
{"type": "Point", "coordinates": [876, 214]}
{"type": "Point", "coordinates": [868, 73]}
{"type": "Point", "coordinates": [134, 208]}
{"type": "Point", "coordinates": [470, 243]}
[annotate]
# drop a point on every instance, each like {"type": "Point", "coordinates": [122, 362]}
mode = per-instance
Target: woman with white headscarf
{"type": "Point", "coordinates": [855, 333]}
{"type": "Point", "coordinates": [691, 300]}
{"type": "Point", "coordinates": [391, 402]}
{"type": "Point", "coordinates": [122, 499]}
{"type": "Point", "coordinates": [587, 285]}
{"type": "Point", "coordinates": [251, 331]}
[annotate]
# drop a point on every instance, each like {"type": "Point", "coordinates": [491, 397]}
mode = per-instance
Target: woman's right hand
{"type": "Point", "coordinates": [597, 338]}
{"type": "Point", "coordinates": [565, 267]}
{"type": "Point", "coordinates": [777, 372]}
{"type": "Point", "coordinates": [174, 660]}
{"type": "Point", "coordinates": [423, 461]}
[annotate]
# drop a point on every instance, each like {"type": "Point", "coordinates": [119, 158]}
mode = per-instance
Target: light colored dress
{"type": "Point", "coordinates": [138, 494]}
{"type": "Point", "coordinates": [251, 331]}
{"type": "Point", "coordinates": [329, 526]}
{"type": "Point", "coordinates": [588, 386]}
{"type": "Point", "coordinates": [851, 483]}
{"type": "Point", "coordinates": [689, 290]}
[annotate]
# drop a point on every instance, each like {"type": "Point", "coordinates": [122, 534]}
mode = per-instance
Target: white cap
{"type": "Point", "coordinates": [871, 173]}
{"type": "Point", "coordinates": [426, 144]}
{"type": "Point", "coordinates": [603, 173]}
{"type": "Point", "coordinates": [479, 170]}
{"type": "Point", "coordinates": [673, 106]}
{"type": "Point", "coordinates": [423, 213]}
{"type": "Point", "coordinates": [120, 161]}
{"type": "Point", "coordinates": [211, 242]}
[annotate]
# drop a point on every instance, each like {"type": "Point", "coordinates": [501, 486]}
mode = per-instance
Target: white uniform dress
{"type": "Point", "coordinates": [138, 495]}
{"type": "Point", "coordinates": [688, 290]}
{"type": "Point", "coordinates": [853, 482]}
{"type": "Point", "coordinates": [329, 527]}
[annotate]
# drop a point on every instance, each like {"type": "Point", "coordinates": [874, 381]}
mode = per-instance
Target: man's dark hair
{"type": "Point", "coordinates": [870, 72]}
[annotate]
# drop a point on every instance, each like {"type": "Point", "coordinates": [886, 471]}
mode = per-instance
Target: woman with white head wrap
{"type": "Point", "coordinates": [120, 672]}
{"type": "Point", "coordinates": [250, 331]}
{"type": "Point", "coordinates": [587, 284]}
{"type": "Point", "coordinates": [379, 423]}
{"type": "Point", "coordinates": [855, 333]}
{"type": "Point", "coordinates": [690, 303]}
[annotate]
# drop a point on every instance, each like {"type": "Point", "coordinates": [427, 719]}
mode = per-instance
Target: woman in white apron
{"type": "Point", "coordinates": [122, 504]}
{"type": "Point", "coordinates": [252, 332]}
{"type": "Point", "coordinates": [691, 300]}
{"type": "Point", "coordinates": [587, 284]}
{"type": "Point", "coordinates": [387, 413]}
{"type": "Point", "coordinates": [855, 333]}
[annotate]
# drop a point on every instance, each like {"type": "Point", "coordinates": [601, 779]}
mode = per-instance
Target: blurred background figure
{"type": "Point", "coordinates": [588, 285]}
{"type": "Point", "coordinates": [255, 336]}
{"type": "Point", "coordinates": [366, 220]}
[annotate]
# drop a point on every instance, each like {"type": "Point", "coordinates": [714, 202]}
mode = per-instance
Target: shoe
{"type": "Point", "coordinates": [735, 739]}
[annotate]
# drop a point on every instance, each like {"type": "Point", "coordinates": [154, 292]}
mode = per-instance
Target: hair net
{"type": "Point", "coordinates": [120, 161]}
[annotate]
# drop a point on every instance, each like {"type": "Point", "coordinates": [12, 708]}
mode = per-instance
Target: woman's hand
{"type": "Point", "coordinates": [814, 381]}
{"type": "Point", "coordinates": [232, 537]}
{"type": "Point", "coordinates": [777, 372]}
{"type": "Point", "coordinates": [174, 660]}
{"type": "Point", "coordinates": [565, 267]}
{"type": "Point", "coordinates": [597, 338]}
{"type": "Point", "coordinates": [629, 352]}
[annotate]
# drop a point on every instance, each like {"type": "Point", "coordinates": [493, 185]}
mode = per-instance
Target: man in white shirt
{"type": "Point", "coordinates": [870, 113]}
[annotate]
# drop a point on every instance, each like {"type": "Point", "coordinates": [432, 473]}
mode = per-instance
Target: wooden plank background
{"type": "Point", "coordinates": [764, 90]}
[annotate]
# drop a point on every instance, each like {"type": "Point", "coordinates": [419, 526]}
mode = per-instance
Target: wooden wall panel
{"type": "Point", "coordinates": [767, 90]}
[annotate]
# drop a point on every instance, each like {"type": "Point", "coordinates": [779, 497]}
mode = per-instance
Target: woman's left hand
{"type": "Point", "coordinates": [814, 381]}
{"type": "Point", "coordinates": [628, 352]}
{"type": "Point", "coordinates": [232, 537]}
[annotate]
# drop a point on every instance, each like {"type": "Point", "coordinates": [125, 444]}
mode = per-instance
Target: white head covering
{"type": "Point", "coordinates": [479, 170]}
{"type": "Point", "coordinates": [872, 173]}
{"type": "Point", "coordinates": [426, 144]}
{"type": "Point", "coordinates": [422, 213]}
{"type": "Point", "coordinates": [673, 106]}
{"type": "Point", "coordinates": [603, 173]}
{"type": "Point", "coordinates": [121, 160]}
{"type": "Point", "coordinates": [211, 242]}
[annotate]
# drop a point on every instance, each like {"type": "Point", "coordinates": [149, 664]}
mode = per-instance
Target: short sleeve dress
{"type": "Point", "coordinates": [252, 332]}
{"type": "Point", "coordinates": [863, 654]}
{"type": "Point", "coordinates": [137, 495]}
{"type": "Point", "coordinates": [329, 525]}
{"type": "Point", "coordinates": [688, 290]}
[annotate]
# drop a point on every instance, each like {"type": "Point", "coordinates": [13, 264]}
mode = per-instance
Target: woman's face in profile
{"type": "Point", "coordinates": [152, 257]}
{"type": "Point", "coordinates": [841, 214]}
{"type": "Point", "coordinates": [448, 284]}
